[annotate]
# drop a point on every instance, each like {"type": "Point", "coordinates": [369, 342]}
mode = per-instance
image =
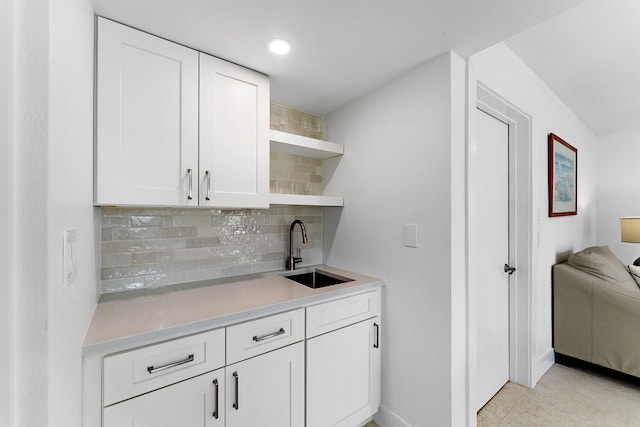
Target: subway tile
{"type": "Point", "coordinates": [272, 256]}
{"type": "Point", "coordinates": [151, 221]}
{"type": "Point", "coordinates": [111, 273]}
{"type": "Point", "coordinates": [164, 244]}
{"type": "Point", "coordinates": [122, 246]}
{"type": "Point", "coordinates": [115, 221]}
{"type": "Point", "coordinates": [178, 232]}
{"type": "Point", "coordinates": [305, 170]}
{"type": "Point", "coordinates": [135, 233]}
{"type": "Point", "coordinates": [203, 242]}
{"type": "Point", "coordinates": [213, 231]}
{"type": "Point", "coordinates": [106, 234]}
{"type": "Point", "coordinates": [192, 220]}
{"type": "Point", "coordinates": [115, 260]}
{"type": "Point", "coordinates": [165, 279]}
{"type": "Point", "coordinates": [119, 285]}
{"type": "Point", "coordinates": [236, 270]}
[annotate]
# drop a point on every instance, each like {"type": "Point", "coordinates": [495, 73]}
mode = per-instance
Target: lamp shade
{"type": "Point", "coordinates": [630, 227]}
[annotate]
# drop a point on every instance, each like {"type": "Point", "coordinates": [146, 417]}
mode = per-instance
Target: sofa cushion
{"type": "Point", "coordinates": [599, 261]}
{"type": "Point", "coordinates": [635, 273]}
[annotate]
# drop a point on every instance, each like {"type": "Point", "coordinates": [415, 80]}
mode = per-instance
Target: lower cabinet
{"type": "Point", "coordinates": [343, 360]}
{"type": "Point", "coordinates": [196, 402]}
{"type": "Point", "coordinates": [258, 373]}
{"type": "Point", "coordinates": [267, 390]}
{"type": "Point", "coordinates": [343, 375]}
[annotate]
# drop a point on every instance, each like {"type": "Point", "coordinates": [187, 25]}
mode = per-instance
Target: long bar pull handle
{"type": "Point", "coordinates": [207, 175]}
{"type": "Point", "coordinates": [215, 407]}
{"type": "Point", "coordinates": [264, 337]}
{"type": "Point", "coordinates": [236, 403]}
{"type": "Point", "coordinates": [153, 369]}
{"type": "Point", "coordinates": [190, 173]}
{"type": "Point", "coordinates": [376, 344]}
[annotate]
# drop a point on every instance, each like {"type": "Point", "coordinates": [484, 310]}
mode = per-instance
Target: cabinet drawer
{"type": "Point", "coordinates": [326, 317]}
{"type": "Point", "coordinates": [252, 338]}
{"type": "Point", "coordinates": [139, 371]}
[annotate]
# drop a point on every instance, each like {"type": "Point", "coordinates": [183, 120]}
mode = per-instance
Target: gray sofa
{"type": "Point", "coordinates": [596, 311]}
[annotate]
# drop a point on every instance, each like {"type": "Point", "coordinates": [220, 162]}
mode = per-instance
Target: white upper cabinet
{"type": "Point", "coordinates": [147, 119]}
{"type": "Point", "coordinates": [150, 148]}
{"type": "Point", "coordinates": [234, 135]}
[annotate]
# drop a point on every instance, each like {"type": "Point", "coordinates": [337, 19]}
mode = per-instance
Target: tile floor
{"type": "Point", "coordinates": [567, 397]}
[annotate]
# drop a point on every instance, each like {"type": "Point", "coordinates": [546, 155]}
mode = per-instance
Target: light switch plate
{"type": "Point", "coordinates": [70, 263]}
{"type": "Point", "coordinates": [410, 235]}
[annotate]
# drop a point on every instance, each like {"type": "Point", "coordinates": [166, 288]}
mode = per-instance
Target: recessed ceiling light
{"type": "Point", "coordinates": [279, 46]}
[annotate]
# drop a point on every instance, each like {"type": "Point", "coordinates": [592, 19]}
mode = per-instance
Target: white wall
{"type": "Point", "coordinates": [28, 214]}
{"type": "Point", "coordinates": [553, 238]}
{"type": "Point", "coordinates": [397, 169]}
{"type": "Point", "coordinates": [618, 192]}
{"type": "Point", "coordinates": [47, 188]}
{"type": "Point", "coordinates": [6, 115]}
{"type": "Point", "coordinates": [69, 201]}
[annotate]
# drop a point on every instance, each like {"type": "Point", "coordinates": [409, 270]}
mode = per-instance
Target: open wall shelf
{"type": "Point", "coordinates": [289, 143]}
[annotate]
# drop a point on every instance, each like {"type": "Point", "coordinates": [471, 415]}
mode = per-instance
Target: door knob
{"type": "Point", "coordinates": [509, 269]}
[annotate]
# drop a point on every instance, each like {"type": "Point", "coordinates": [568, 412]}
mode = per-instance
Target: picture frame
{"type": "Point", "coordinates": [563, 177]}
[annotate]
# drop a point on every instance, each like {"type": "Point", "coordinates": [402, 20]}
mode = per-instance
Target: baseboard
{"type": "Point", "coordinates": [541, 365]}
{"type": "Point", "coordinates": [386, 418]}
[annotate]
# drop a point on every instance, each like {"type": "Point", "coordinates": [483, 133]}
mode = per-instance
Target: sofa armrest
{"type": "Point", "coordinates": [572, 311]}
{"type": "Point", "coordinates": [616, 328]}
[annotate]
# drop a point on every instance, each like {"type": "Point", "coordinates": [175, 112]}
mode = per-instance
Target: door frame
{"type": "Point", "coordinates": [520, 236]}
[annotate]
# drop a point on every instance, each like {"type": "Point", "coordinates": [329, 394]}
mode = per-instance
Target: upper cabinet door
{"type": "Point", "coordinates": [147, 119]}
{"type": "Point", "coordinates": [234, 135]}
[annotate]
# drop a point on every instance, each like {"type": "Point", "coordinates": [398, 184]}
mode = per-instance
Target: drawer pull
{"type": "Point", "coordinates": [264, 337]}
{"type": "Point", "coordinates": [153, 369]}
{"type": "Point", "coordinates": [236, 403]}
{"type": "Point", "coordinates": [215, 409]}
{"type": "Point", "coordinates": [377, 343]}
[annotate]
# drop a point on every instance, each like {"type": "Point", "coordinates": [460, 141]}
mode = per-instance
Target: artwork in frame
{"type": "Point", "coordinates": [563, 177]}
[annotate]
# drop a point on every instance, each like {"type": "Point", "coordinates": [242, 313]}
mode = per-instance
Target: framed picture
{"type": "Point", "coordinates": [563, 177]}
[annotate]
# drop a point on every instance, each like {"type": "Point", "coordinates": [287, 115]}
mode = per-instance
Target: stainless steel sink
{"type": "Point", "coordinates": [315, 278]}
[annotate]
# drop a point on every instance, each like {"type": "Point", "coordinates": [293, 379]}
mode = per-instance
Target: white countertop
{"type": "Point", "coordinates": [141, 318]}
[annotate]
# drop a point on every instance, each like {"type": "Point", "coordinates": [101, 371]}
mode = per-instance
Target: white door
{"type": "Point", "coordinates": [234, 139]}
{"type": "Point", "coordinates": [492, 252]}
{"type": "Point", "coordinates": [267, 390]}
{"type": "Point", "coordinates": [197, 402]}
{"type": "Point", "coordinates": [147, 119]}
{"type": "Point", "coordinates": [343, 375]}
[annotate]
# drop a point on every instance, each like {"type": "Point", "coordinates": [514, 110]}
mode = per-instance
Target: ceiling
{"type": "Point", "coordinates": [584, 50]}
{"type": "Point", "coordinates": [590, 57]}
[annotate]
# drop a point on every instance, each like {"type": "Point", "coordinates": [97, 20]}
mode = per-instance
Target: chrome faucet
{"type": "Point", "coordinates": [291, 260]}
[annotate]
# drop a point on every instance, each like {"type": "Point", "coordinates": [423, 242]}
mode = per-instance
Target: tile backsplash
{"type": "Point", "coordinates": [287, 119]}
{"type": "Point", "coordinates": [150, 248]}
{"type": "Point", "coordinates": [292, 174]}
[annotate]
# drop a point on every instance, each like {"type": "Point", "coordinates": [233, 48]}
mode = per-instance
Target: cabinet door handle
{"type": "Point", "coordinates": [376, 344]}
{"type": "Point", "coordinates": [217, 391]}
{"type": "Point", "coordinates": [236, 403]}
{"type": "Point", "coordinates": [264, 337]}
{"type": "Point", "coordinates": [207, 175]}
{"type": "Point", "coordinates": [190, 173]}
{"type": "Point", "coordinates": [153, 369]}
